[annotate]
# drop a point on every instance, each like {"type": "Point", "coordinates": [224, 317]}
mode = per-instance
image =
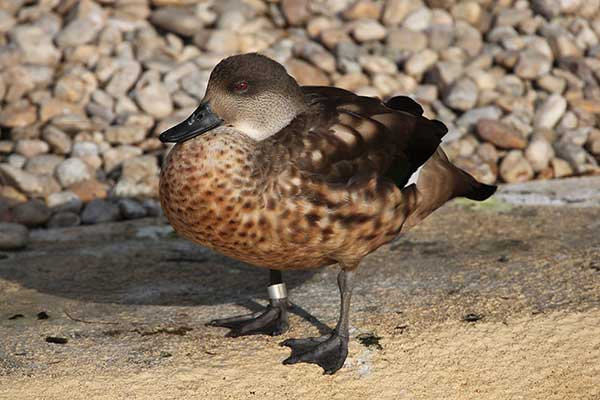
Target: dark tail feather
{"type": "Point", "coordinates": [481, 191]}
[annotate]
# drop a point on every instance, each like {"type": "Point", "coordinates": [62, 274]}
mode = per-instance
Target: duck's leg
{"type": "Point", "coordinates": [329, 351]}
{"type": "Point", "coordinates": [272, 321]}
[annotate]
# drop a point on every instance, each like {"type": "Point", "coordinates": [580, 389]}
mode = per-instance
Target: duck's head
{"type": "Point", "coordinates": [250, 93]}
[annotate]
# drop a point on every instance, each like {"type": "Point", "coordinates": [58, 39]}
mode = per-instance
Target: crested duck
{"type": "Point", "coordinates": [284, 176]}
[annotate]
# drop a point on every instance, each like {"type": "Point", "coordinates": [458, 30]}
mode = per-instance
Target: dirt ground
{"type": "Point", "coordinates": [492, 301]}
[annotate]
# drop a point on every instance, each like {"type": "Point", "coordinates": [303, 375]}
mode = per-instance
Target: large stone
{"type": "Point", "coordinates": [43, 164]}
{"type": "Point", "coordinates": [29, 148]}
{"type": "Point", "coordinates": [22, 180]}
{"type": "Point", "coordinates": [539, 153]}
{"type": "Point", "coordinates": [99, 211]}
{"type": "Point", "coordinates": [296, 12]}
{"type": "Point", "coordinates": [154, 99]}
{"type": "Point", "coordinates": [367, 30]}
{"type": "Point", "coordinates": [306, 74]}
{"type": "Point", "coordinates": [181, 21]}
{"type": "Point", "coordinates": [402, 39]}
{"type": "Point", "coordinates": [64, 201]}
{"type": "Point", "coordinates": [18, 114]}
{"type": "Point", "coordinates": [500, 134]}
{"type": "Point", "coordinates": [395, 11]}
{"type": "Point", "coordinates": [113, 157]}
{"type": "Point", "coordinates": [89, 19]}
{"type": "Point", "coordinates": [31, 213]}
{"type": "Point", "coordinates": [59, 141]}
{"type": "Point", "coordinates": [550, 112]}
{"type": "Point", "coordinates": [64, 219]}
{"type": "Point", "coordinates": [71, 171]}
{"type": "Point", "coordinates": [462, 95]}
{"type": "Point", "coordinates": [420, 62]}
{"type": "Point", "coordinates": [124, 78]}
{"type": "Point", "coordinates": [125, 134]}
{"type": "Point", "coordinates": [89, 190]}
{"type": "Point", "coordinates": [532, 64]}
{"type": "Point", "coordinates": [35, 45]}
{"type": "Point", "coordinates": [515, 168]}
{"type": "Point", "coordinates": [13, 236]}
{"type": "Point", "coordinates": [139, 178]}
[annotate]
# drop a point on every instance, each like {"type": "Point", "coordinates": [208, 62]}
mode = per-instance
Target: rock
{"type": "Point", "coordinates": [402, 39]}
{"type": "Point", "coordinates": [59, 142]}
{"type": "Point", "coordinates": [131, 209]}
{"type": "Point", "coordinates": [89, 20]}
{"type": "Point", "coordinates": [222, 42]}
{"type": "Point", "coordinates": [63, 219]}
{"type": "Point", "coordinates": [296, 12]}
{"type": "Point", "coordinates": [154, 99]}
{"type": "Point", "coordinates": [17, 161]}
{"type": "Point", "coordinates": [11, 196]}
{"type": "Point", "coordinates": [500, 134]}
{"type": "Point", "coordinates": [561, 168]}
{"type": "Point", "coordinates": [591, 106]}
{"type": "Point", "coordinates": [179, 20]}
{"type": "Point", "coordinates": [363, 9]}
{"type": "Point", "coordinates": [539, 153]}
{"type": "Point", "coordinates": [367, 30]}
{"type": "Point", "coordinates": [378, 65]}
{"type": "Point", "coordinates": [22, 180]}
{"type": "Point", "coordinates": [71, 88]}
{"type": "Point", "coordinates": [43, 164]}
{"type": "Point", "coordinates": [395, 11]}
{"type": "Point", "coordinates": [462, 95]}
{"type": "Point", "coordinates": [468, 11]}
{"type": "Point", "coordinates": [13, 236]}
{"type": "Point", "coordinates": [552, 84]}
{"type": "Point", "coordinates": [113, 157]}
{"type": "Point", "coordinates": [418, 20]}
{"type": "Point", "coordinates": [99, 211]}
{"type": "Point", "coordinates": [124, 78]}
{"type": "Point", "coordinates": [29, 148]}
{"type": "Point", "coordinates": [515, 168]}
{"type": "Point", "coordinates": [72, 123]}
{"type": "Point", "coordinates": [35, 45]}
{"type": "Point", "coordinates": [575, 155]}
{"type": "Point", "coordinates": [532, 64]}
{"type": "Point", "coordinates": [139, 178]}
{"type": "Point", "coordinates": [64, 201]}
{"type": "Point", "coordinates": [550, 112]}
{"type": "Point", "coordinates": [420, 62]}
{"type": "Point", "coordinates": [547, 8]}
{"type": "Point", "coordinates": [125, 134]}
{"type": "Point", "coordinates": [72, 170]}
{"type": "Point", "coordinates": [18, 114]}
{"type": "Point", "coordinates": [152, 208]}
{"type": "Point", "coordinates": [306, 74]}
{"type": "Point", "coordinates": [89, 190]}
{"type": "Point", "coordinates": [31, 213]}
{"type": "Point", "coordinates": [6, 146]}
{"type": "Point", "coordinates": [51, 108]}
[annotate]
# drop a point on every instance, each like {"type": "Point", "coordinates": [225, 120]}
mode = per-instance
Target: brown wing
{"type": "Point", "coordinates": [343, 137]}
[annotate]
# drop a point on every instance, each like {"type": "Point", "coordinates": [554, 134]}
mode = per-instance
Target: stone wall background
{"type": "Point", "coordinates": [87, 86]}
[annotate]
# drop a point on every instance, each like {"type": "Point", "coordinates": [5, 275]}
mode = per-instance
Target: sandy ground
{"type": "Point", "coordinates": [132, 300]}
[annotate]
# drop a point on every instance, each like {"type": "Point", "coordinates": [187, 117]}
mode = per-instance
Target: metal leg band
{"type": "Point", "coordinates": [277, 292]}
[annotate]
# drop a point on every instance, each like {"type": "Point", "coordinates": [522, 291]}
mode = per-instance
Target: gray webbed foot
{"type": "Point", "coordinates": [329, 351]}
{"type": "Point", "coordinates": [272, 321]}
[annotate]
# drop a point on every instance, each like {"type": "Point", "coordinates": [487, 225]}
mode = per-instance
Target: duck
{"type": "Point", "coordinates": [283, 177]}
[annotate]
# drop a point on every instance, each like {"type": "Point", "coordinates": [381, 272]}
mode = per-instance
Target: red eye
{"type": "Point", "coordinates": [241, 86]}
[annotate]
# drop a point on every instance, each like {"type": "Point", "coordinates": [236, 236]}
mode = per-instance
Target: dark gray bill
{"type": "Point", "coordinates": [201, 120]}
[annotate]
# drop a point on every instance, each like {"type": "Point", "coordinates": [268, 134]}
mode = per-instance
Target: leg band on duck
{"type": "Point", "coordinates": [277, 291]}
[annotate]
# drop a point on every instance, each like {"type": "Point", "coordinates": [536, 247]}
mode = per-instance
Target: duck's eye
{"type": "Point", "coordinates": [240, 86]}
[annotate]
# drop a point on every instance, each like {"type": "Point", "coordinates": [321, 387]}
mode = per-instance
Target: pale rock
{"type": "Point", "coordinates": [296, 12]}
{"type": "Point", "coordinates": [515, 168]}
{"type": "Point", "coordinates": [402, 39]}
{"type": "Point", "coordinates": [561, 168]}
{"type": "Point", "coordinates": [306, 74]}
{"type": "Point", "coordinates": [378, 64]}
{"type": "Point", "coordinates": [72, 170]}
{"type": "Point", "coordinates": [539, 153]}
{"type": "Point", "coordinates": [500, 134]}
{"type": "Point", "coordinates": [139, 178]}
{"type": "Point", "coordinates": [550, 111]}
{"type": "Point", "coordinates": [154, 99]}
{"type": "Point", "coordinates": [26, 182]}
{"type": "Point", "coordinates": [18, 114]}
{"type": "Point", "coordinates": [59, 141]}
{"type": "Point", "coordinates": [462, 95]}
{"type": "Point", "coordinates": [89, 19]}
{"type": "Point", "coordinates": [532, 64]}
{"type": "Point", "coordinates": [395, 11]}
{"type": "Point", "coordinates": [181, 21]}
{"type": "Point", "coordinates": [418, 20]}
{"type": "Point", "coordinates": [125, 134]}
{"type": "Point", "coordinates": [35, 45]}
{"type": "Point", "coordinates": [29, 148]}
{"type": "Point", "coordinates": [43, 164]}
{"type": "Point", "coordinates": [113, 157]}
{"type": "Point", "coordinates": [367, 30]}
{"type": "Point", "coordinates": [65, 201]}
{"type": "Point", "coordinates": [124, 78]}
{"type": "Point", "coordinates": [420, 62]}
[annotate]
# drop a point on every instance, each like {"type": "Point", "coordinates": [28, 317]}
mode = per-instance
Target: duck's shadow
{"type": "Point", "coordinates": [166, 273]}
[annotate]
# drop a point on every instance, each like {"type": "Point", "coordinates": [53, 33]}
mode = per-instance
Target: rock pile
{"type": "Point", "coordinates": [86, 87]}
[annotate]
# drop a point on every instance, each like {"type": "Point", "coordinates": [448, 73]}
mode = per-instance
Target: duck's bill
{"type": "Point", "coordinates": [202, 120]}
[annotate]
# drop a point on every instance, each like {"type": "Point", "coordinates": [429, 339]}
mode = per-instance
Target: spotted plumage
{"type": "Point", "coordinates": [283, 177]}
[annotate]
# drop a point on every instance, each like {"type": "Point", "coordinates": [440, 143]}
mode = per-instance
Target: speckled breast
{"type": "Point", "coordinates": [211, 194]}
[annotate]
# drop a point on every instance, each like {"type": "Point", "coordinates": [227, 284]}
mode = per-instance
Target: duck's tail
{"type": "Point", "coordinates": [439, 181]}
